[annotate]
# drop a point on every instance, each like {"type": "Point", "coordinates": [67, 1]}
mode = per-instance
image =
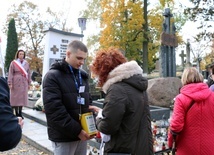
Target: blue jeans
{"type": "Point", "coordinates": [70, 148]}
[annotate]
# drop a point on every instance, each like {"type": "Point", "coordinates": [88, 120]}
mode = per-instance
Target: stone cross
{"type": "Point", "coordinates": [54, 49]}
{"type": "Point", "coordinates": [182, 55]}
{"type": "Point", "coordinates": [168, 44]}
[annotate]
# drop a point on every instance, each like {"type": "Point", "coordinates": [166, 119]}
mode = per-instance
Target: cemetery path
{"type": "Point", "coordinates": [23, 148]}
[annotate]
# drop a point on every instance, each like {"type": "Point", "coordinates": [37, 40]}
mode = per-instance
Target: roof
{"type": "Point", "coordinates": [64, 32]}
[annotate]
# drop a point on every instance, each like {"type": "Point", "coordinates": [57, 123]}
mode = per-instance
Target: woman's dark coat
{"type": "Point", "coordinates": [126, 111]}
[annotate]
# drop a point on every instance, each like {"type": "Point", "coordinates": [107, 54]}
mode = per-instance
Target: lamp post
{"type": "Point", "coordinates": [82, 25]}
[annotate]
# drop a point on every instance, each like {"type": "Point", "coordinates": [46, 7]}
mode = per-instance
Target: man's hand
{"type": "Point", "coordinates": [84, 136]}
{"type": "Point", "coordinates": [20, 121]}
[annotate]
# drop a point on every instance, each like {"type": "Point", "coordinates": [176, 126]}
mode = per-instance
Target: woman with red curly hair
{"type": "Point", "coordinates": [125, 118]}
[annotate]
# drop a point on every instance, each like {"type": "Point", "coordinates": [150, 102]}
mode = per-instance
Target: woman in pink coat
{"type": "Point", "coordinates": [19, 82]}
{"type": "Point", "coordinates": [193, 116]}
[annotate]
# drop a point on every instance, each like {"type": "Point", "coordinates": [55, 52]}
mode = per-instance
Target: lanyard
{"type": "Point", "coordinates": [75, 80]}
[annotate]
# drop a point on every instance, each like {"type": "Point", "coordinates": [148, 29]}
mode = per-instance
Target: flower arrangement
{"type": "Point", "coordinates": [35, 90]}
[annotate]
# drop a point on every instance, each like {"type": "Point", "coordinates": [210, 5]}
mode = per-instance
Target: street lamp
{"type": "Point", "coordinates": [82, 24]}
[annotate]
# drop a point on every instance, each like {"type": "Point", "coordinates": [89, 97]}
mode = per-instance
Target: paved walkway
{"type": "Point", "coordinates": [35, 132]}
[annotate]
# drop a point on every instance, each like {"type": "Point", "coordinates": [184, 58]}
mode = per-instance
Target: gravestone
{"type": "Point", "coordinates": [56, 42]}
{"type": "Point", "coordinates": [157, 65]}
{"type": "Point", "coordinates": [168, 44]}
{"type": "Point", "coordinates": [188, 63]}
{"type": "Point", "coordinates": [182, 55]}
{"type": "Point", "coordinates": [188, 52]}
{"type": "Point", "coordinates": [156, 112]}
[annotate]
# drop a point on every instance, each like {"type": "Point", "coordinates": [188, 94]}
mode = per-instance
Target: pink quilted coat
{"type": "Point", "coordinates": [194, 124]}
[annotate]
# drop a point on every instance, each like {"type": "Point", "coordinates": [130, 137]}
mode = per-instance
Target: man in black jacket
{"type": "Point", "coordinates": [65, 97]}
{"type": "Point", "coordinates": [10, 125]}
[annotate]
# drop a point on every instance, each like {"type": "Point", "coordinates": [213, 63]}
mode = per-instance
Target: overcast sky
{"type": "Point", "coordinates": [73, 6]}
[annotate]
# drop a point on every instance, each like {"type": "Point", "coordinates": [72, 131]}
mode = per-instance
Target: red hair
{"type": "Point", "coordinates": [105, 61]}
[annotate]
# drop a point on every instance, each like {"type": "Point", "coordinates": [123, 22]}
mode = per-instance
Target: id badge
{"type": "Point", "coordinates": [81, 100]}
{"type": "Point", "coordinates": [81, 89]}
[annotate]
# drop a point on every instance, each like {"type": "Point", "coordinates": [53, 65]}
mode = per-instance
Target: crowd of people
{"type": "Point", "coordinates": [124, 122]}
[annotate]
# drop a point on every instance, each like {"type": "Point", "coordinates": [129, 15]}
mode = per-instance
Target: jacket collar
{"type": "Point", "coordinates": [123, 71]}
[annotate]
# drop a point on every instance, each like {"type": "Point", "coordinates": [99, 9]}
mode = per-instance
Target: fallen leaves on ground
{"type": "Point", "coordinates": [23, 148]}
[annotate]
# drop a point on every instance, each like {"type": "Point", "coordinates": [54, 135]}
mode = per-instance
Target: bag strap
{"type": "Point", "coordinates": [174, 134]}
{"type": "Point", "coordinates": [190, 105]}
{"type": "Point", "coordinates": [174, 145]}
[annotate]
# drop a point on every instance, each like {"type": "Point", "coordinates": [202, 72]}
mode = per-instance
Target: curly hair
{"type": "Point", "coordinates": [105, 61]}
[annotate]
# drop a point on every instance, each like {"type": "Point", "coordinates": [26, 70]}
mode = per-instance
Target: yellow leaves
{"type": "Point", "coordinates": [166, 2]}
{"type": "Point", "coordinates": [122, 24]}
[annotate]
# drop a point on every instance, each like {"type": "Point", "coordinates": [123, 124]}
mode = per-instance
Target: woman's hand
{"type": "Point", "coordinates": [94, 108]}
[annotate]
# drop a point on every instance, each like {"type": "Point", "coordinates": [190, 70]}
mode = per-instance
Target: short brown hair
{"type": "Point", "coordinates": [76, 45]}
{"type": "Point", "coordinates": [105, 61]}
{"type": "Point", "coordinates": [191, 75]}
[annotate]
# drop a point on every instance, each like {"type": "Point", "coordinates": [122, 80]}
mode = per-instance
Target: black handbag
{"type": "Point", "coordinates": [173, 145]}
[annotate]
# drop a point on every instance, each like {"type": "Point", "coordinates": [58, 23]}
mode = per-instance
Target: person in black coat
{"type": "Point", "coordinates": [66, 97]}
{"type": "Point", "coordinates": [124, 122]}
{"type": "Point", "coordinates": [10, 125]}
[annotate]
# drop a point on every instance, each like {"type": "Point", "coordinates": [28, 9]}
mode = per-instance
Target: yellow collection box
{"type": "Point", "coordinates": [88, 123]}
